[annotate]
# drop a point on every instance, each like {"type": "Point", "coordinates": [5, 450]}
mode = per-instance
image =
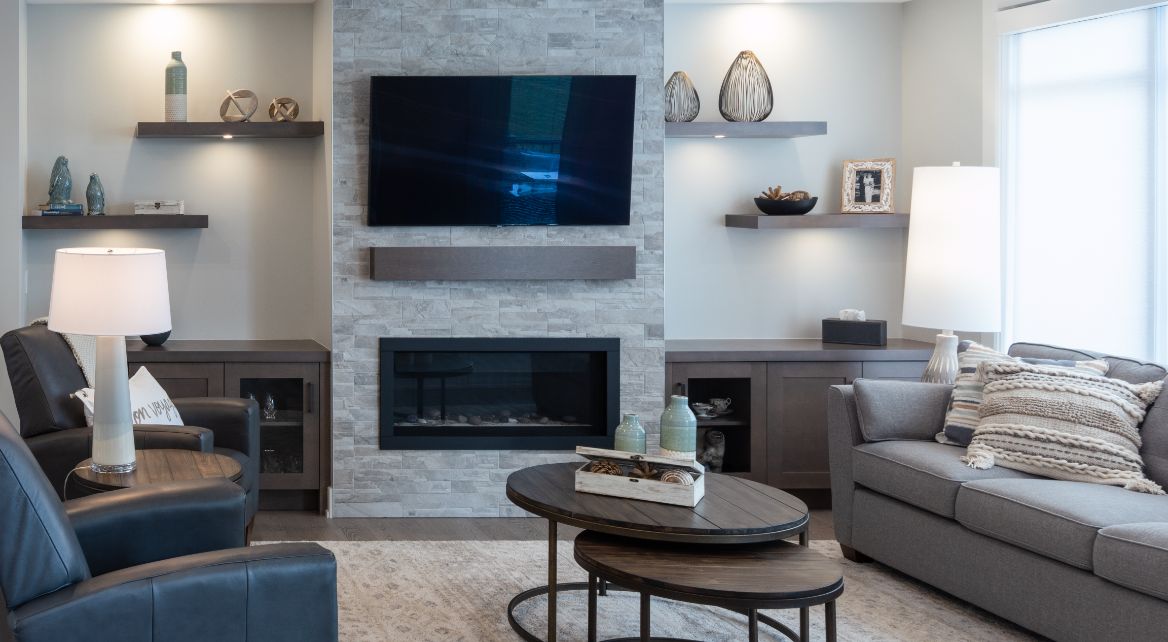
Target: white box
{"type": "Point", "coordinates": [160, 207]}
{"type": "Point", "coordinates": [649, 490]}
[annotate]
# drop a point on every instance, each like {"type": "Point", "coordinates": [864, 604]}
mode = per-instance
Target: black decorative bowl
{"type": "Point", "coordinates": [155, 339]}
{"type": "Point", "coordinates": [785, 208]}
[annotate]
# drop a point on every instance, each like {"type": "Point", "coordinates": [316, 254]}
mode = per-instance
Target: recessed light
{"type": "Point", "coordinates": [227, 137]}
{"type": "Point", "coordinates": [719, 135]}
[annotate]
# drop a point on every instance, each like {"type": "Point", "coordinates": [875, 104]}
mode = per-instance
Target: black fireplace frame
{"type": "Point", "coordinates": [468, 440]}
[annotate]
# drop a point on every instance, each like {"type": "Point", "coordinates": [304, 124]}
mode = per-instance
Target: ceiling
{"type": "Point", "coordinates": [391, 1]}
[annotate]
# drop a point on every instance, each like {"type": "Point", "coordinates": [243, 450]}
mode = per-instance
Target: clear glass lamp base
{"type": "Point", "coordinates": [943, 366]}
{"type": "Point", "coordinates": [113, 469]}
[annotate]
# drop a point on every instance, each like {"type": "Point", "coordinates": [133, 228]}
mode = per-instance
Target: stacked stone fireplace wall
{"type": "Point", "coordinates": [483, 37]}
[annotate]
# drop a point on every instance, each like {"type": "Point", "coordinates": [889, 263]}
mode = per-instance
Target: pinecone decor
{"type": "Point", "coordinates": [603, 467]}
{"type": "Point", "coordinates": [676, 476]}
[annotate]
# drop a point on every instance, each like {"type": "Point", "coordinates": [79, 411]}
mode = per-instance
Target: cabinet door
{"type": "Point", "coordinates": [181, 380]}
{"type": "Point", "coordinates": [902, 370]}
{"type": "Point", "coordinates": [797, 421]}
{"type": "Point", "coordinates": [744, 425]}
{"type": "Point", "coordinates": [289, 399]}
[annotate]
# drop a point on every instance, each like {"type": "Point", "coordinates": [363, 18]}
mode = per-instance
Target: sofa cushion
{"type": "Point", "coordinates": [1129, 370]}
{"type": "Point", "coordinates": [1057, 519]}
{"type": "Point", "coordinates": [1135, 556]}
{"type": "Point", "coordinates": [890, 409]}
{"type": "Point", "coordinates": [1063, 424]}
{"type": "Point", "coordinates": [1154, 432]}
{"type": "Point", "coordinates": [925, 474]}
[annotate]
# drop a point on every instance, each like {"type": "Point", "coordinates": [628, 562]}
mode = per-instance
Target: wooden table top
{"type": "Point", "coordinates": [159, 466]}
{"type": "Point", "coordinates": [733, 510]}
{"type": "Point", "coordinates": [755, 574]}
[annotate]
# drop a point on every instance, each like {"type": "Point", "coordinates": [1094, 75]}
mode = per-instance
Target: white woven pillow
{"type": "Point", "coordinates": [1062, 424]}
{"type": "Point", "coordinates": [149, 403]}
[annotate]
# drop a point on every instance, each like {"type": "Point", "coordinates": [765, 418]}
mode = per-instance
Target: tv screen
{"type": "Point", "coordinates": [500, 150]}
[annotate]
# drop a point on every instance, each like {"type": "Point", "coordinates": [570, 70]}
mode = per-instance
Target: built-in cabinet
{"type": "Point", "coordinates": [777, 430]}
{"type": "Point", "coordinates": [289, 380]}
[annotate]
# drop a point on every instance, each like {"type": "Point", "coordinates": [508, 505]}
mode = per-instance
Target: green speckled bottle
{"type": "Point", "coordinates": [630, 436]}
{"type": "Point", "coordinates": [176, 89]}
{"type": "Point", "coordinates": [679, 430]}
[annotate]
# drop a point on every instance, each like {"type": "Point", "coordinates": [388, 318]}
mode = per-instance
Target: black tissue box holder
{"type": "Point", "coordinates": [862, 333]}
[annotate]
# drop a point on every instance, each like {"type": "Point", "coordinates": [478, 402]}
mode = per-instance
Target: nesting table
{"type": "Point", "coordinates": [156, 466]}
{"type": "Point", "coordinates": [736, 517]}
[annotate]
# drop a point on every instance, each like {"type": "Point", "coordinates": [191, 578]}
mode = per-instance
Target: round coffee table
{"type": "Point", "coordinates": [159, 466]}
{"type": "Point", "coordinates": [733, 511]}
{"type": "Point", "coordinates": [744, 578]}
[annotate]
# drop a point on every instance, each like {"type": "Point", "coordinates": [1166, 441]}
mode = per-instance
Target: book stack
{"type": "Point", "coordinates": [61, 209]}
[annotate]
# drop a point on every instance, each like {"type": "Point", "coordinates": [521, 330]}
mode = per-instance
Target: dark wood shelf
{"type": "Point", "coordinates": [789, 350]}
{"type": "Point", "coordinates": [765, 129]}
{"type": "Point", "coordinates": [811, 221]}
{"type": "Point", "coordinates": [307, 129]}
{"type": "Point", "coordinates": [110, 222]}
{"type": "Point", "coordinates": [722, 423]}
{"type": "Point", "coordinates": [229, 351]}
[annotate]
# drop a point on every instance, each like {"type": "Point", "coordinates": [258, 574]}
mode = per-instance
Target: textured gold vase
{"type": "Point", "coordinates": [681, 99]}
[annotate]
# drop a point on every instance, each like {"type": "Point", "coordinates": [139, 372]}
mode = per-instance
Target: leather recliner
{"type": "Point", "coordinates": [44, 375]}
{"type": "Point", "coordinates": [162, 562]}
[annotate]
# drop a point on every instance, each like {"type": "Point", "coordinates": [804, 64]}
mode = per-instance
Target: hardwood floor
{"type": "Point", "coordinates": [272, 526]}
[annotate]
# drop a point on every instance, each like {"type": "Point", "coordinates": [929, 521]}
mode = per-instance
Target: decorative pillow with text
{"type": "Point", "coordinates": [149, 403]}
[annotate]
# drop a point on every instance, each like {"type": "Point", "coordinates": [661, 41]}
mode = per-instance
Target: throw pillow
{"type": "Point", "coordinates": [962, 418]}
{"type": "Point", "coordinates": [900, 409]}
{"type": "Point", "coordinates": [1064, 424]}
{"type": "Point", "coordinates": [149, 403]}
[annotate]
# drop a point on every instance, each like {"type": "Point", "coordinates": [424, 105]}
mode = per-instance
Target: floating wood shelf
{"type": "Point", "coordinates": [765, 129]}
{"type": "Point", "coordinates": [308, 129]}
{"type": "Point", "coordinates": [809, 221]}
{"type": "Point", "coordinates": [110, 222]}
{"type": "Point", "coordinates": [539, 263]}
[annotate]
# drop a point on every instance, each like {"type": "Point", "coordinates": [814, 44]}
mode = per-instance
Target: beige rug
{"type": "Point", "coordinates": [446, 591]}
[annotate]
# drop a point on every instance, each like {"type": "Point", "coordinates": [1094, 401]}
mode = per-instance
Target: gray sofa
{"type": "Point", "coordinates": [1068, 560]}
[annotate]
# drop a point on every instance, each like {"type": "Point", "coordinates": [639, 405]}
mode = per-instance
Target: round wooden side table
{"type": "Point", "coordinates": [733, 511]}
{"type": "Point", "coordinates": [159, 466]}
{"type": "Point", "coordinates": [743, 578]}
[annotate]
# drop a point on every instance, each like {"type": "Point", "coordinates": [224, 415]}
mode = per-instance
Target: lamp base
{"type": "Point", "coordinates": [113, 469]}
{"type": "Point", "coordinates": [943, 365]}
{"type": "Point", "coordinates": [113, 433]}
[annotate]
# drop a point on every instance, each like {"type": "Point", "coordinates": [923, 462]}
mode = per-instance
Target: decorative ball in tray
{"type": "Point", "coordinates": [775, 202]}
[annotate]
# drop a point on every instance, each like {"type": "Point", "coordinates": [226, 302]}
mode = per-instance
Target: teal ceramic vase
{"type": "Point", "coordinates": [176, 89]}
{"type": "Point", "coordinates": [679, 430]}
{"type": "Point", "coordinates": [630, 436]}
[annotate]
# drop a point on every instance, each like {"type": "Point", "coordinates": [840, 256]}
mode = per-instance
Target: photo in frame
{"type": "Point", "coordinates": [868, 186]}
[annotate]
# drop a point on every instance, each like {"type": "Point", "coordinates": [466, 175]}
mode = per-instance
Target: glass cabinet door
{"type": "Point", "coordinates": [288, 400]}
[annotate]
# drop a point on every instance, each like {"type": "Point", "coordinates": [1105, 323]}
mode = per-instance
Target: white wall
{"type": "Point", "coordinates": [12, 153]}
{"type": "Point", "coordinates": [835, 62]}
{"type": "Point", "coordinates": [94, 71]}
{"type": "Point", "coordinates": [322, 226]}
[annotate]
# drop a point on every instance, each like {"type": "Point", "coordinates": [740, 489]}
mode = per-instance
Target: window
{"type": "Point", "coordinates": [1085, 142]}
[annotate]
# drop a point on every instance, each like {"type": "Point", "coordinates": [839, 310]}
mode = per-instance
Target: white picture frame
{"type": "Point", "coordinates": [868, 186]}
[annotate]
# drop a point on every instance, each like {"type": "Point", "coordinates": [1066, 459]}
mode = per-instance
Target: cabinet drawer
{"type": "Point", "coordinates": [904, 370]}
{"type": "Point", "coordinates": [181, 380]}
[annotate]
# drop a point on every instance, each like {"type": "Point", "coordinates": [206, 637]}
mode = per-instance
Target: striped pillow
{"type": "Point", "coordinates": [1063, 424]}
{"type": "Point", "coordinates": [962, 417]}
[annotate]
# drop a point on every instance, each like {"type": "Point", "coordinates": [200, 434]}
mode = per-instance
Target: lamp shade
{"type": "Point", "coordinates": [109, 291]}
{"type": "Point", "coordinates": [952, 277]}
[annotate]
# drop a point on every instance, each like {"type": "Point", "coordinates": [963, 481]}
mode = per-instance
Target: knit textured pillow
{"type": "Point", "coordinates": [1062, 424]}
{"type": "Point", "coordinates": [962, 417]}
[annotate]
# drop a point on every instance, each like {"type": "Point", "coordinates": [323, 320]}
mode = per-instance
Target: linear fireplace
{"type": "Point", "coordinates": [498, 394]}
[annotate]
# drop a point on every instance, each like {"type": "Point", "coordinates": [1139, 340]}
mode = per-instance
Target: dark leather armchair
{"type": "Point", "coordinates": [44, 375]}
{"type": "Point", "coordinates": [149, 564]}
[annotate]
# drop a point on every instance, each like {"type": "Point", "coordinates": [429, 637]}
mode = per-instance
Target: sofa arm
{"type": "Point", "coordinates": [843, 434]}
{"type": "Point", "coordinates": [154, 437]}
{"type": "Point", "coordinates": [262, 593]}
{"type": "Point", "coordinates": [134, 526]}
{"type": "Point", "coordinates": [235, 422]}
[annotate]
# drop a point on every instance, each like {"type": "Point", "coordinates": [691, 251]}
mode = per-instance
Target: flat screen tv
{"type": "Point", "coordinates": [500, 150]}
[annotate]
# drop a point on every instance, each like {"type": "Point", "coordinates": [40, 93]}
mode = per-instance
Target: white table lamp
{"type": "Point", "coordinates": [110, 293]}
{"type": "Point", "coordinates": [952, 274]}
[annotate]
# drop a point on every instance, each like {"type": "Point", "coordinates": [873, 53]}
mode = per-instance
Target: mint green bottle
{"type": "Point", "coordinates": [630, 436]}
{"type": "Point", "coordinates": [679, 430]}
{"type": "Point", "coordinates": [176, 89]}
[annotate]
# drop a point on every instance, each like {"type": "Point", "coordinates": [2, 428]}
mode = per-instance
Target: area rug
{"type": "Point", "coordinates": [416, 591]}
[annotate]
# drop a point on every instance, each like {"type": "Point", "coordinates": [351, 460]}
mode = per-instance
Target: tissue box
{"type": "Point", "coordinates": [863, 333]}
